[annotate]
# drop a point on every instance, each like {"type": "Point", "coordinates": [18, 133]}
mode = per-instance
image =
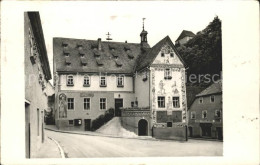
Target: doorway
{"type": "Point", "coordinates": [142, 127]}
{"type": "Point", "coordinates": [190, 131]}
{"type": "Point", "coordinates": [87, 123]}
{"type": "Point", "coordinates": [206, 129]}
{"type": "Point", "coordinates": [118, 105]}
{"type": "Point", "coordinates": [219, 133]}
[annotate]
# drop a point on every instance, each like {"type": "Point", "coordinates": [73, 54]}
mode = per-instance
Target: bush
{"type": "Point", "coordinates": [102, 119]}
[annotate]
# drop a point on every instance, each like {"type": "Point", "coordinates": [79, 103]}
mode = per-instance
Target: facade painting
{"type": "Point", "coordinates": [62, 106]}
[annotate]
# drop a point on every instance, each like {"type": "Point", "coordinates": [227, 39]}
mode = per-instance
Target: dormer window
{"type": "Point", "coordinates": [130, 55]}
{"type": "Point", "coordinates": [81, 53]}
{"type": "Point", "coordinates": [79, 46]}
{"type": "Point", "coordinates": [67, 61]}
{"type": "Point", "coordinates": [115, 55]}
{"type": "Point", "coordinates": [99, 62]}
{"type": "Point", "coordinates": [86, 82]}
{"type": "Point", "coordinates": [96, 54]}
{"type": "Point", "coordinates": [64, 44]}
{"type": "Point", "coordinates": [127, 48]}
{"type": "Point", "coordinates": [103, 82]}
{"type": "Point", "coordinates": [66, 52]}
{"type": "Point", "coordinates": [70, 81]}
{"type": "Point", "coordinates": [167, 74]}
{"type": "Point", "coordinates": [118, 63]}
{"type": "Point", "coordinates": [94, 46]}
{"type": "Point", "coordinates": [112, 47]}
{"type": "Point", "coordinates": [83, 61]}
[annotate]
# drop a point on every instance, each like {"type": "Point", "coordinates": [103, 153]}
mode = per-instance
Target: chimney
{"type": "Point", "coordinates": [99, 43]}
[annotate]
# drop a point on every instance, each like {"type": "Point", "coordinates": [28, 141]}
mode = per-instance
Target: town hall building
{"type": "Point", "coordinates": [145, 85]}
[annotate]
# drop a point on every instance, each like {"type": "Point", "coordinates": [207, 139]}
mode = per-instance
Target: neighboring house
{"type": "Point", "coordinates": [37, 74]}
{"type": "Point", "coordinates": [146, 83]}
{"type": "Point", "coordinates": [205, 114]}
{"type": "Point", "coordinates": [184, 37]}
{"type": "Point", "coordinates": [49, 113]}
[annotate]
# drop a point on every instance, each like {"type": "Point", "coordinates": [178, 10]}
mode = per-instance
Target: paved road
{"type": "Point", "coordinates": [84, 146]}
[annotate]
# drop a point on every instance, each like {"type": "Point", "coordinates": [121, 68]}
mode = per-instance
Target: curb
{"type": "Point", "coordinates": [60, 149]}
{"type": "Point", "coordinates": [102, 135]}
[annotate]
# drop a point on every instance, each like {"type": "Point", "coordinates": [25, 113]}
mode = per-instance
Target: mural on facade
{"type": "Point", "coordinates": [62, 106]}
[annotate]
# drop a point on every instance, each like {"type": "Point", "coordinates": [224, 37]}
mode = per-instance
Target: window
{"type": "Point", "coordinates": [102, 103]}
{"type": "Point", "coordinates": [86, 82]}
{"type": "Point", "coordinates": [120, 81]}
{"type": "Point", "coordinates": [201, 100]}
{"type": "Point", "coordinates": [103, 82]}
{"type": "Point", "coordinates": [162, 54]}
{"type": "Point", "coordinates": [70, 80]}
{"type": "Point", "coordinates": [161, 102]}
{"type": "Point", "coordinates": [204, 114]}
{"type": "Point", "coordinates": [86, 103]}
{"type": "Point", "coordinates": [77, 122]}
{"type": "Point", "coordinates": [169, 124]}
{"type": "Point", "coordinates": [172, 55]}
{"type": "Point", "coordinates": [132, 103]}
{"type": "Point", "coordinates": [71, 122]}
{"type": "Point", "coordinates": [217, 113]}
{"type": "Point", "coordinates": [176, 102]}
{"type": "Point", "coordinates": [70, 103]}
{"type": "Point", "coordinates": [167, 74]}
{"type": "Point", "coordinates": [193, 115]}
{"type": "Point", "coordinates": [212, 99]}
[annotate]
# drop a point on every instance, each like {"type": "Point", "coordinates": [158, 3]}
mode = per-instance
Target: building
{"type": "Point", "coordinates": [37, 74]}
{"type": "Point", "coordinates": [144, 85]}
{"type": "Point", "coordinates": [205, 113]}
{"type": "Point", "coordinates": [184, 37]}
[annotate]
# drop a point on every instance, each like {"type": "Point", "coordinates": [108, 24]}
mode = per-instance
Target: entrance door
{"type": "Point", "coordinates": [219, 133]}
{"type": "Point", "coordinates": [118, 104]}
{"type": "Point", "coordinates": [190, 131]}
{"type": "Point", "coordinates": [87, 124]}
{"type": "Point", "coordinates": [142, 127]}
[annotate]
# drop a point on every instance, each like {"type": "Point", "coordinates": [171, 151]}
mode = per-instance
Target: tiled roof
{"type": "Point", "coordinates": [212, 89]}
{"type": "Point", "coordinates": [185, 33]}
{"type": "Point", "coordinates": [125, 55]}
{"type": "Point", "coordinates": [151, 53]}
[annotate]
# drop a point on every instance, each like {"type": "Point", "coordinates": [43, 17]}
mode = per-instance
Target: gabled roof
{"type": "Point", "coordinates": [185, 33]}
{"type": "Point", "coordinates": [150, 54]}
{"type": "Point", "coordinates": [215, 88]}
{"type": "Point", "coordinates": [97, 60]}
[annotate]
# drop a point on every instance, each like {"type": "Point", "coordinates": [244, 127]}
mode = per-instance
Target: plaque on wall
{"type": "Point", "coordinates": [86, 94]}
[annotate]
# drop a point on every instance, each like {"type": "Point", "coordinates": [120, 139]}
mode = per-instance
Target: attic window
{"type": "Point", "coordinates": [66, 52]}
{"type": "Point", "coordinates": [83, 61]}
{"type": "Point", "coordinates": [81, 53]}
{"type": "Point", "coordinates": [67, 61]}
{"type": "Point", "coordinates": [114, 54]}
{"type": "Point", "coordinates": [126, 47]}
{"type": "Point", "coordinates": [112, 47]}
{"type": "Point", "coordinates": [79, 46]}
{"type": "Point", "coordinates": [172, 55]}
{"type": "Point", "coordinates": [94, 46]}
{"type": "Point", "coordinates": [99, 62]}
{"type": "Point", "coordinates": [64, 44]}
{"type": "Point", "coordinates": [162, 54]}
{"type": "Point", "coordinates": [130, 55]}
{"type": "Point", "coordinates": [97, 54]}
{"type": "Point", "coordinates": [118, 63]}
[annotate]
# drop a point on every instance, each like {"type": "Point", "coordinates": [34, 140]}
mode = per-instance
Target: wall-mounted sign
{"type": "Point", "coordinates": [86, 94]}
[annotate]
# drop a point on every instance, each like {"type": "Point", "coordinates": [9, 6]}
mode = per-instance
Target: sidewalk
{"type": "Point", "coordinates": [48, 150]}
{"type": "Point", "coordinates": [90, 133]}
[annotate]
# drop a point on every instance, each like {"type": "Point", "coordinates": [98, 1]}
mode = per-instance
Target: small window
{"type": "Point", "coordinates": [70, 81]}
{"type": "Point", "coordinates": [167, 74]}
{"type": "Point", "coordinates": [70, 103]}
{"type": "Point", "coordinates": [162, 54]}
{"type": "Point", "coordinates": [169, 124]}
{"type": "Point", "coordinates": [204, 114]}
{"type": "Point", "coordinates": [102, 103]}
{"type": "Point", "coordinates": [77, 122]}
{"type": "Point", "coordinates": [86, 82]}
{"type": "Point", "coordinates": [161, 102]}
{"type": "Point", "coordinates": [176, 102]}
{"type": "Point", "coordinates": [120, 81]}
{"type": "Point", "coordinates": [132, 104]}
{"type": "Point", "coordinates": [201, 100]}
{"type": "Point", "coordinates": [212, 99]}
{"type": "Point", "coordinates": [136, 103]}
{"type": "Point", "coordinates": [193, 115]}
{"type": "Point", "coordinates": [71, 122]}
{"type": "Point", "coordinates": [172, 55]}
{"type": "Point", "coordinates": [217, 113]}
{"type": "Point", "coordinates": [103, 82]}
{"type": "Point", "coordinates": [86, 103]}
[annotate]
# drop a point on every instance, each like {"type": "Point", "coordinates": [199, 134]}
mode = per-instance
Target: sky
{"type": "Point", "coordinates": [92, 20]}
